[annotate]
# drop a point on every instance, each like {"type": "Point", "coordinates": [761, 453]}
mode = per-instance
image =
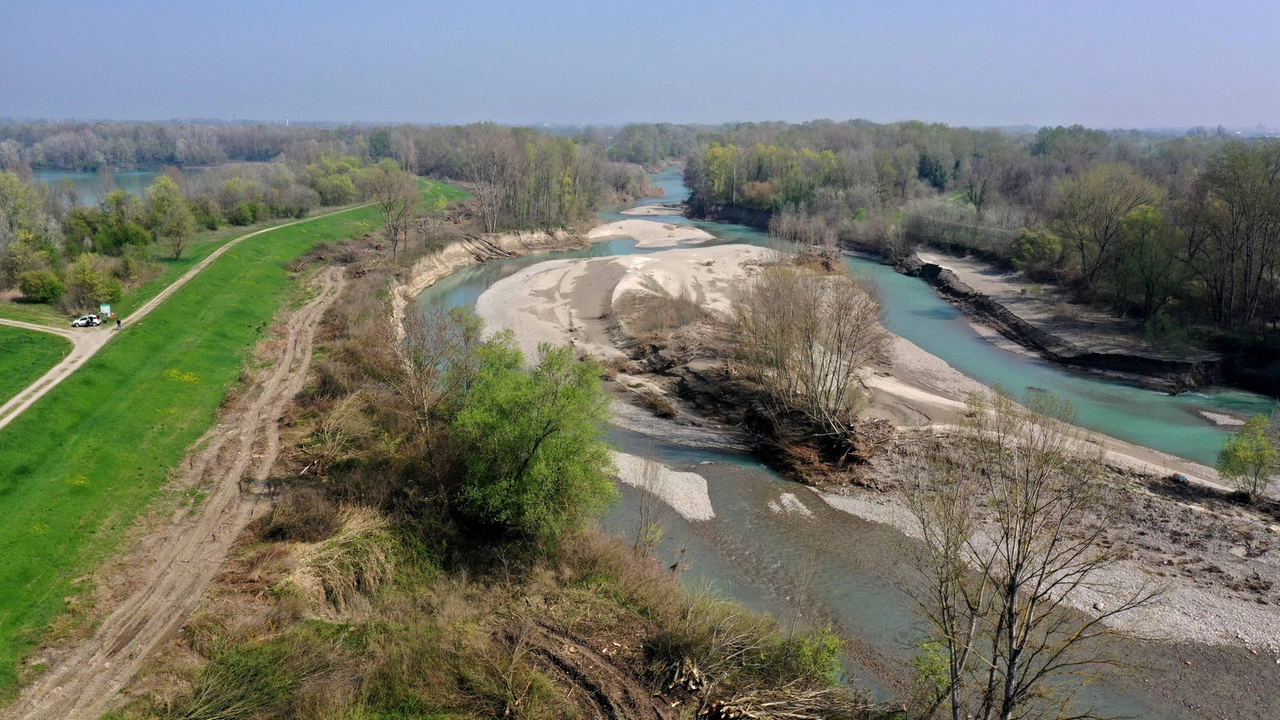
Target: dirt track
{"type": "Point", "coordinates": [230, 465]}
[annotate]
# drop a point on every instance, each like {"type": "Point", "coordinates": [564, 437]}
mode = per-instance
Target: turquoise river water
{"type": "Point", "coordinates": [834, 568]}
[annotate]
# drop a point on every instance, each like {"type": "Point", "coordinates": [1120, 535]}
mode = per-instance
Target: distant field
{"type": "Point", "coordinates": [26, 355]}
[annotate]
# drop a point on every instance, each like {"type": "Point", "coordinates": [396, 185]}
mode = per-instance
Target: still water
{"type": "Point", "coordinates": [87, 183]}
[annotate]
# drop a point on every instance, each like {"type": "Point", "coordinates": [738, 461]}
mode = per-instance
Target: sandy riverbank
{"type": "Point", "coordinates": [656, 211]}
{"type": "Point", "coordinates": [650, 234]}
{"type": "Point", "coordinates": [568, 301]}
{"type": "Point", "coordinates": [1043, 307]}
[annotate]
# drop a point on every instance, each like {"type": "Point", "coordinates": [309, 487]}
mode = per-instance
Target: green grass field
{"type": "Point", "coordinates": [80, 464]}
{"type": "Point", "coordinates": [201, 245]}
{"type": "Point", "coordinates": [26, 355]}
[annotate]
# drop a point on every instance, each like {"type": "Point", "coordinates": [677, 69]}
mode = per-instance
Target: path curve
{"type": "Point", "coordinates": [88, 341]}
{"type": "Point", "coordinates": [179, 561]}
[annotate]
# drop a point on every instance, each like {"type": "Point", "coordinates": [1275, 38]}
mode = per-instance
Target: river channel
{"type": "Point", "coordinates": [829, 567]}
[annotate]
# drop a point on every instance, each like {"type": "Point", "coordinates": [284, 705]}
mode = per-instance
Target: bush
{"type": "Point", "coordinates": [112, 239]}
{"type": "Point", "coordinates": [206, 212]}
{"type": "Point", "coordinates": [41, 286]}
{"type": "Point", "coordinates": [1165, 331]}
{"type": "Point", "coordinates": [336, 190]}
{"type": "Point", "coordinates": [1036, 250]}
{"type": "Point", "coordinates": [245, 213]}
{"type": "Point", "coordinates": [1249, 457]}
{"type": "Point", "coordinates": [536, 462]}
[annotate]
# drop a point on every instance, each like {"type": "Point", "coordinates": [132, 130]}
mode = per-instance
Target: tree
{"type": "Point", "coordinates": [1249, 457]}
{"type": "Point", "coordinates": [41, 286]}
{"type": "Point", "coordinates": [1013, 521]}
{"type": "Point", "coordinates": [169, 216]}
{"type": "Point", "coordinates": [536, 463]}
{"type": "Point", "coordinates": [1090, 210]}
{"type": "Point", "coordinates": [1147, 268]}
{"type": "Point", "coordinates": [1231, 221]}
{"type": "Point", "coordinates": [803, 337]}
{"type": "Point", "coordinates": [394, 194]}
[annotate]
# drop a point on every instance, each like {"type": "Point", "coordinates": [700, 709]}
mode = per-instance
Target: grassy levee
{"type": "Point", "coordinates": [25, 355]}
{"type": "Point", "coordinates": [81, 463]}
{"type": "Point", "coordinates": [204, 243]}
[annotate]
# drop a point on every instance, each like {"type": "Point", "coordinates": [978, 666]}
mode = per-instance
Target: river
{"type": "Point", "coordinates": [834, 568]}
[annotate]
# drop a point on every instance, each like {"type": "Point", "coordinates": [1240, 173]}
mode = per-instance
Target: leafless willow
{"type": "Point", "coordinates": [1012, 517]}
{"type": "Point", "coordinates": [803, 337]}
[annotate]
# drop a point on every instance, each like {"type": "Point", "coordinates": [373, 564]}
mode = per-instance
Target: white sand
{"type": "Point", "coordinates": [655, 211]}
{"type": "Point", "coordinates": [1221, 419]}
{"type": "Point", "coordinates": [651, 234]}
{"type": "Point", "coordinates": [562, 301]}
{"type": "Point", "coordinates": [685, 492]}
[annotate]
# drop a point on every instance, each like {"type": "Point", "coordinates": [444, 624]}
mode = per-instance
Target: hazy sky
{"type": "Point", "coordinates": [1118, 63]}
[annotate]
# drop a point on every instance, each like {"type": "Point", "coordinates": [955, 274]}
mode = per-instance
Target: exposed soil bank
{"type": "Point", "coordinates": [1164, 373]}
{"type": "Point", "coordinates": [1107, 345]}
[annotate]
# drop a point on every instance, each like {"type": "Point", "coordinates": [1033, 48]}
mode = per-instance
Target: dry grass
{"type": "Point", "coordinates": [661, 405]}
{"type": "Point", "coordinates": [337, 575]}
{"type": "Point", "coordinates": [652, 317]}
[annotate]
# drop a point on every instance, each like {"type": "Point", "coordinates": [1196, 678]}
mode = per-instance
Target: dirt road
{"type": "Point", "coordinates": [179, 562]}
{"type": "Point", "coordinates": [88, 341]}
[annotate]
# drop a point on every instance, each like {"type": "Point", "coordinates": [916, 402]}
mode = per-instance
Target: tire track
{"type": "Point", "coordinates": [190, 550]}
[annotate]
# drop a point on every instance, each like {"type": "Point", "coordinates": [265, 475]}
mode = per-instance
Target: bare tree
{"type": "Point", "coordinates": [489, 164]}
{"type": "Point", "coordinates": [433, 361]}
{"type": "Point", "coordinates": [1013, 520]}
{"type": "Point", "coordinates": [804, 336]}
{"type": "Point", "coordinates": [394, 194]}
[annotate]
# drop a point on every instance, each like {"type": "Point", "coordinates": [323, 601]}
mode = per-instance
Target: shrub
{"type": "Point", "coordinates": [1036, 250]}
{"type": "Point", "coordinates": [1165, 331]}
{"type": "Point", "coordinates": [245, 213]}
{"type": "Point", "coordinates": [116, 236]}
{"type": "Point", "coordinates": [41, 286]}
{"type": "Point", "coordinates": [206, 212]}
{"type": "Point", "coordinates": [1249, 457]}
{"type": "Point", "coordinates": [536, 463]}
{"type": "Point", "coordinates": [336, 190]}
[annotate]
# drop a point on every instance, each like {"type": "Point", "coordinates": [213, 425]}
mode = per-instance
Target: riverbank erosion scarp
{"type": "Point", "coordinates": [1000, 301]}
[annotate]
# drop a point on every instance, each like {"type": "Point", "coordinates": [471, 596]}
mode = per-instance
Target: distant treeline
{"type": "Point", "coordinates": [1175, 230]}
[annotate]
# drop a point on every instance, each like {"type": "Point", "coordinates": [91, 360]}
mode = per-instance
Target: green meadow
{"type": "Point", "coordinates": [78, 466]}
{"type": "Point", "coordinates": [26, 355]}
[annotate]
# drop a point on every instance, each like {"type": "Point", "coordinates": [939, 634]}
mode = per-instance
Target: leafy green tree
{"type": "Point", "coordinates": [89, 284]}
{"type": "Point", "coordinates": [1092, 206]}
{"type": "Point", "coordinates": [1249, 457]}
{"type": "Point", "coordinates": [169, 215]}
{"type": "Point", "coordinates": [41, 286]}
{"type": "Point", "coordinates": [380, 143]}
{"type": "Point", "coordinates": [536, 463]}
{"type": "Point", "coordinates": [1147, 270]}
